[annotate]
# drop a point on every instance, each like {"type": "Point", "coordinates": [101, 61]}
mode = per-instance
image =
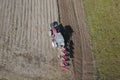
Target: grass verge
{"type": "Point", "coordinates": [103, 19]}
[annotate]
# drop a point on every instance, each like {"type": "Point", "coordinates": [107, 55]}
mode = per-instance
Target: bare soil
{"type": "Point", "coordinates": [25, 46]}
{"type": "Point", "coordinates": [72, 14]}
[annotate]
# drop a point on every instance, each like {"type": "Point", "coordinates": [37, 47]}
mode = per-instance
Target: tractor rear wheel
{"type": "Point", "coordinates": [54, 24]}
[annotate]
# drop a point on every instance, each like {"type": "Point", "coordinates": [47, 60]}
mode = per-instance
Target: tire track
{"type": "Point", "coordinates": [39, 28]}
{"type": "Point", "coordinates": [89, 66]}
{"type": "Point", "coordinates": [2, 15]}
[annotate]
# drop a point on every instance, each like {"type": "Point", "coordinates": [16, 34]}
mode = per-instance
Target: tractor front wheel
{"type": "Point", "coordinates": [54, 44]}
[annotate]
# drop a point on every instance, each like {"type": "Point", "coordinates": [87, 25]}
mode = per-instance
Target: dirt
{"type": "Point", "coordinates": [25, 46]}
{"type": "Point", "coordinates": [72, 13]}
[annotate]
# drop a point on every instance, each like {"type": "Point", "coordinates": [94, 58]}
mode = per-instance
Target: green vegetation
{"type": "Point", "coordinates": [103, 19]}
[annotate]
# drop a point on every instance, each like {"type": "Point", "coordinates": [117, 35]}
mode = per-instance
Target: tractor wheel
{"type": "Point", "coordinates": [54, 24]}
{"type": "Point", "coordinates": [54, 44]}
{"type": "Point", "coordinates": [50, 33]}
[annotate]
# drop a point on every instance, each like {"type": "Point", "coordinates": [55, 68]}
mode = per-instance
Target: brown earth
{"type": "Point", "coordinates": [25, 47]}
{"type": "Point", "coordinates": [72, 14]}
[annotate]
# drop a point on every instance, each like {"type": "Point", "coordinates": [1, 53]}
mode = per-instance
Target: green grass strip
{"type": "Point", "coordinates": [103, 19]}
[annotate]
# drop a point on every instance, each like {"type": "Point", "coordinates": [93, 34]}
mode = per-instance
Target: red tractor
{"type": "Point", "coordinates": [57, 37]}
{"type": "Point", "coordinates": [58, 42]}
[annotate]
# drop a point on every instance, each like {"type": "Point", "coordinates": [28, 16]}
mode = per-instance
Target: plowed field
{"type": "Point", "coordinates": [25, 46]}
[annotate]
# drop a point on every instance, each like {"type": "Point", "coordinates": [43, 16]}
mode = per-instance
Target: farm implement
{"type": "Point", "coordinates": [57, 34]}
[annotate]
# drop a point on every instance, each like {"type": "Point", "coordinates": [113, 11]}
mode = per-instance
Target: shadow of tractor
{"type": "Point", "coordinates": [67, 32]}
